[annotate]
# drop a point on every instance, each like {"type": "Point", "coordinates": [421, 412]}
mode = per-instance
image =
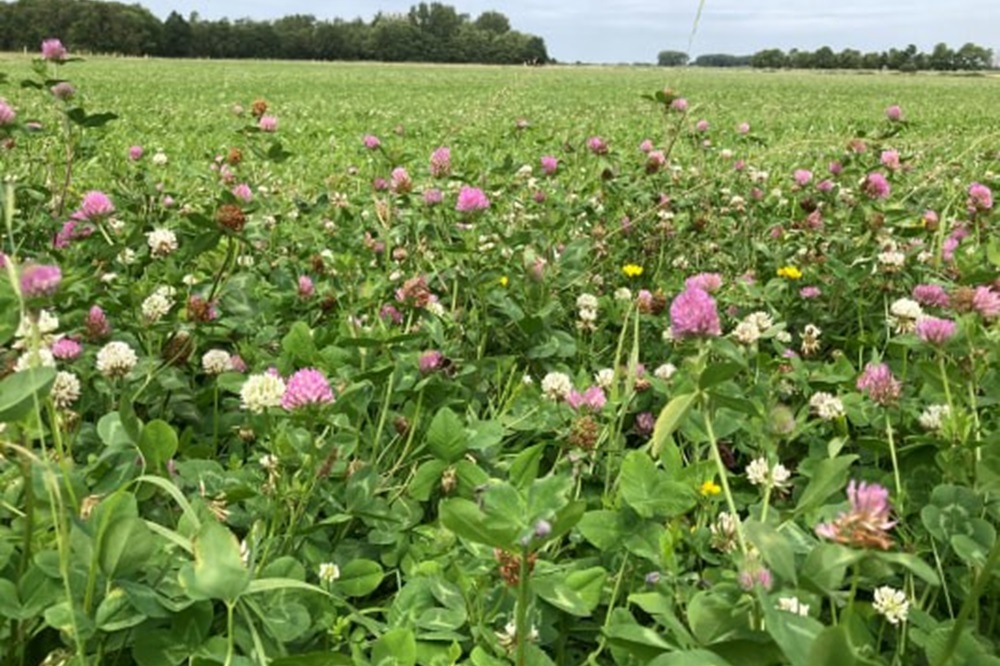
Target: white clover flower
{"type": "Point", "coordinates": [746, 333]}
{"type": "Point", "coordinates": [216, 361]}
{"type": "Point", "coordinates": [158, 304]}
{"type": "Point", "coordinates": [761, 320]}
{"type": "Point", "coordinates": [783, 337]}
{"type": "Point", "coordinates": [160, 158]}
{"type": "Point", "coordinates": [724, 533]}
{"type": "Point", "coordinates": [903, 315]}
{"type": "Point", "coordinates": [892, 260]}
{"type": "Point", "coordinates": [527, 380]}
{"type": "Point", "coordinates": [891, 604]}
{"type": "Point", "coordinates": [810, 339]}
{"type": "Point", "coordinates": [623, 294]}
{"type": "Point", "coordinates": [793, 605]}
{"type": "Point", "coordinates": [116, 225]}
{"type": "Point", "coordinates": [269, 462]}
{"type": "Point", "coordinates": [43, 324]}
{"type": "Point", "coordinates": [605, 377]}
{"type": "Point", "coordinates": [665, 371]}
{"type": "Point", "coordinates": [933, 417]}
{"type": "Point", "coordinates": [262, 391]}
{"type": "Point", "coordinates": [758, 472]}
{"type": "Point", "coordinates": [826, 406]}
{"type": "Point", "coordinates": [435, 308]}
{"type": "Point", "coordinates": [35, 358]}
{"type": "Point", "coordinates": [190, 280]}
{"type": "Point", "coordinates": [127, 257]}
{"type": "Point", "coordinates": [116, 359]}
{"type": "Point", "coordinates": [329, 572]}
{"type": "Point", "coordinates": [108, 278]}
{"type": "Point", "coordinates": [245, 261]}
{"type": "Point", "coordinates": [780, 475]}
{"type": "Point", "coordinates": [65, 389]}
{"type": "Point", "coordinates": [161, 242]}
{"type": "Point", "coordinates": [556, 385]}
{"type": "Point", "coordinates": [586, 302]}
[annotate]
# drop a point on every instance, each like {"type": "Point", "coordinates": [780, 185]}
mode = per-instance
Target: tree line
{"type": "Point", "coordinates": [969, 57]}
{"type": "Point", "coordinates": [432, 32]}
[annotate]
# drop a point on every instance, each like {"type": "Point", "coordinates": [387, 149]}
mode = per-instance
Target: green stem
{"type": "Point", "coordinates": [895, 463]}
{"type": "Point", "coordinates": [230, 636]}
{"type": "Point", "coordinates": [723, 475]}
{"type": "Point", "coordinates": [521, 629]}
{"type": "Point", "coordinates": [969, 605]}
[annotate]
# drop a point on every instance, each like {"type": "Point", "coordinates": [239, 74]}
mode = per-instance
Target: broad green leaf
{"type": "Point", "coordinates": [651, 492]}
{"type": "Point", "coordinates": [524, 469]}
{"type": "Point", "coordinates": [116, 613]}
{"type": "Point", "coordinates": [775, 547]}
{"type": "Point", "coordinates": [397, 647]}
{"type": "Point", "coordinates": [601, 528]}
{"type": "Point", "coordinates": [670, 419]}
{"type": "Point", "coordinates": [832, 647]}
{"type": "Point", "coordinates": [794, 634]}
{"type": "Point", "coordinates": [446, 436]}
{"type": "Point", "coordinates": [914, 564]}
{"type": "Point", "coordinates": [158, 443]}
{"type": "Point", "coordinates": [690, 658]}
{"type": "Point", "coordinates": [20, 391]}
{"type": "Point", "coordinates": [465, 519]}
{"type": "Point", "coordinates": [126, 546]}
{"type": "Point", "coordinates": [716, 373]}
{"type": "Point", "coordinates": [826, 565]}
{"type": "Point", "coordinates": [314, 659]}
{"type": "Point", "coordinates": [272, 584]}
{"type": "Point", "coordinates": [218, 571]}
{"type": "Point", "coordinates": [359, 578]}
{"type": "Point", "coordinates": [577, 592]}
{"type": "Point", "coordinates": [828, 476]}
{"type": "Point", "coordinates": [713, 617]}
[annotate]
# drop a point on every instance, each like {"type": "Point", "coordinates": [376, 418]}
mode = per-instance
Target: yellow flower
{"type": "Point", "coordinates": [632, 270]}
{"type": "Point", "coordinates": [503, 280]}
{"type": "Point", "coordinates": [790, 272]}
{"type": "Point", "coordinates": [710, 488]}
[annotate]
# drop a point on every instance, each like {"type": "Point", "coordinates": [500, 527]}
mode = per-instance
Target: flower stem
{"type": "Point", "coordinates": [895, 463]}
{"type": "Point", "coordinates": [521, 630]}
{"type": "Point", "coordinates": [723, 476]}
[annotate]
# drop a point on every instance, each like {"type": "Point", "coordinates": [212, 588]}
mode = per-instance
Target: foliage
{"type": "Point", "coordinates": [359, 425]}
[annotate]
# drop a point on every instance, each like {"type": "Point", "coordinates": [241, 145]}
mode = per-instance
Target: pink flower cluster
{"type": "Point", "coordinates": [709, 282]}
{"type": "Point", "coordinates": [935, 331]}
{"type": "Point", "coordinates": [306, 387]}
{"type": "Point", "coordinates": [53, 50]}
{"type": "Point", "coordinates": [441, 162]}
{"type": "Point", "coordinates": [549, 165]}
{"type": "Point", "coordinates": [471, 200]}
{"type": "Point", "coordinates": [931, 295]}
{"type": "Point", "coordinates": [867, 522]}
{"type": "Point", "coordinates": [980, 197]}
{"type": "Point", "coordinates": [7, 114]}
{"type": "Point", "coordinates": [693, 314]}
{"type": "Point", "coordinates": [592, 399]}
{"type": "Point", "coordinates": [880, 385]}
{"type": "Point", "coordinates": [40, 280]}
{"type": "Point", "coordinates": [876, 186]}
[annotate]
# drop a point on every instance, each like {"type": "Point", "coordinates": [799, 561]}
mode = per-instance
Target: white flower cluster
{"type": "Point", "coordinates": [65, 389]}
{"type": "Point", "coordinates": [933, 417]}
{"type": "Point", "coordinates": [161, 242]}
{"type": "Point", "coordinates": [587, 306]}
{"type": "Point", "coordinates": [891, 259]}
{"type": "Point", "coordinates": [328, 572]}
{"type": "Point", "coordinates": [262, 391]}
{"type": "Point", "coordinates": [43, 325]}
{"type": "Point", "coordinates": [158, 304]}
{"type": "Point", "coordinates": [810, 339]}
{"type": "Point", "coordinates": [35, 358]}
{"type": "Point", "coordinates": [759, 473]}
{"type": "Point", "coordinates": [665, 371]}
{"type": "Point", "coordinates": [904, 314]}
{"type": "Point", "coordinates": [116, 359]}
{"type": "Point", "coordinates": [754, 325]}
{"type": "Point", "coordinates": [556, 385]}
{"type": "Point", "coordinates": [605, 378]}
{"type": "Point", "coordinates": [892, 604]}
{"type": "Point", "coordinates": [216, 361]}
{"type": "Point", "coordinates": [793, 605]}
{"type": "Point", "coordinates": [826, 406]}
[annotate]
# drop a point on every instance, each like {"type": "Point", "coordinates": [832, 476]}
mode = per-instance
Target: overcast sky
{"type": "Point", "coordinates": [636, 30]}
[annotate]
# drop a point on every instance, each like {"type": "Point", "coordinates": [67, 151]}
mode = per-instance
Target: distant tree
{"type": "Point", "coordinates": [671, 59]}
{"type": "Point", "coordinates": [722, 60]}
{"type": "Point", "coordinates": [942, 58]}
{"type": "Point", "coordinates": [769, 59]}
{"type": "Point", "coordinates": [849, 59]}
{"type": "Point", "coordinates": [824, 58]}
{"type": "Point", "coordinates": [177, 36]}
{"type": "Point", "coordinates": [972, 57]}
{"type": "Point", "coordinates": [493, 22]}
{"type": "Point", "coordinates": [873, 60]}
